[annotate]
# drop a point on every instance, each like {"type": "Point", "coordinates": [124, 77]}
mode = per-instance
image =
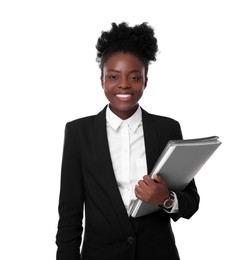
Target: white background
{"type": "Point", "coordinates": [48, 76]}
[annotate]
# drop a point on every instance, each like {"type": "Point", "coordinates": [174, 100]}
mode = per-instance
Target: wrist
{"type": "Point", "coordinates": [169, 202]}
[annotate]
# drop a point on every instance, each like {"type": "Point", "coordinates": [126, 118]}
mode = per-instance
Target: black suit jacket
{"type": "Point", "coordinates": [88, 181]}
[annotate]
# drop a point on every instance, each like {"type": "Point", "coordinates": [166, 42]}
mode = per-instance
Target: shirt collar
{"type": "Point", "coordinates": [133, 122]}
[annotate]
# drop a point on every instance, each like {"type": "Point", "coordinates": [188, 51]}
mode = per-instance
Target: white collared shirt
{"type": "Point", "coordinates": [127, 149]}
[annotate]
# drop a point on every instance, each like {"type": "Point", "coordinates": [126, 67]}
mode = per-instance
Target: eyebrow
{"type": "Point", "coordinates": [118, 71]}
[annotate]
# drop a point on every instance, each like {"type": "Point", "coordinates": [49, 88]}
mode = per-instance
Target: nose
{"type": "Point", "coordinates": [124, 83]}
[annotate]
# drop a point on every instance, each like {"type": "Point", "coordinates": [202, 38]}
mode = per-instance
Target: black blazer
{"type": "Point", "coordinates": [88, 181]}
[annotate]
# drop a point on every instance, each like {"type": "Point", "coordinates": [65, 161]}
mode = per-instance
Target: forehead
{"type": "Point", "coordinates": [121, 61]}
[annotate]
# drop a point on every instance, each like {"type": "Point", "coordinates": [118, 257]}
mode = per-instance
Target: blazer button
{"type": "Point", "coordinates": [130, 240]}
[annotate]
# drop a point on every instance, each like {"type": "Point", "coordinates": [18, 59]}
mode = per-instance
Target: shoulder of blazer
{"type": "Point", "coordinates": [163, 124]}
{"type": "Point", "coordinates": [85, 123]}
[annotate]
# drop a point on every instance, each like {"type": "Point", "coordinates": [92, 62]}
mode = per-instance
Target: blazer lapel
{"type": "Point", "coordinates": [152, 147]}
{"type": "Point", "coordinates": [104, 166]}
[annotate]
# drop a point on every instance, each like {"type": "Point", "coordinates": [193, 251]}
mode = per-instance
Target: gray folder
{"type": "Point", "coordinates": [178, 164]}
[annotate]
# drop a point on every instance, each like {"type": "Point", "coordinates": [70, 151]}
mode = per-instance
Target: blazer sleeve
{"type": "Point", "coordinates": [188, 202]}
{"type": "Point", "coordinates": [68, 238]}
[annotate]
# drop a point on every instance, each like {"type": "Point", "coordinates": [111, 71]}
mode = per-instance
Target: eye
{"type": "Point", "coordinates": [135, 78]}
{"type": "Point", "coordinates": [112, 77]}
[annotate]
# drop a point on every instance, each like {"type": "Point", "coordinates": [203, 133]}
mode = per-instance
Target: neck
{"type": "Point", "coordinates": [124, 114]}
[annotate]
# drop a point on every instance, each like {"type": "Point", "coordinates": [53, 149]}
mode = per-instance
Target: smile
{"type": "Point", "coordinates": [123, 95]}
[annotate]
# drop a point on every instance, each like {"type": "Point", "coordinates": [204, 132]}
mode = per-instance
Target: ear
{"type": "Point", "coordinates": [145, 83]}
{"type": "Point", "coordinates": [102, 81]}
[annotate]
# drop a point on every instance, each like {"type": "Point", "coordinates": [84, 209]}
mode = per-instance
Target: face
{"type": "Point", "coordinates": [123, 81]}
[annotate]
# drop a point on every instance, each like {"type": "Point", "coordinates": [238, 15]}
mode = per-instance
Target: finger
{"type": "Point", "coordinates": [141, 183]}
{"type": "Point", "coordinates": [138, 192]}
{"type": "Point", "coordinates": [141, 188]}
{"type": "Point", "coordinates": [139, 196]}
{"type": "Point", "coordinates": [138, 189]}
{"type": "Point", "coordinates": [148, 180]}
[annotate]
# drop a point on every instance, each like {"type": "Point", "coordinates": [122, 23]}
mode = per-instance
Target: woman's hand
{"type": "Point", "coordinates": [153, 191]}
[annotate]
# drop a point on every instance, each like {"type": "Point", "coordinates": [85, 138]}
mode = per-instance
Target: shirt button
{"type": "Point", "coordinates": [130, 240]}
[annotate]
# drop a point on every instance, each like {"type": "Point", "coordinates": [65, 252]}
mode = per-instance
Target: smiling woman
{"type": "Point", "coordinates": [107, 158]}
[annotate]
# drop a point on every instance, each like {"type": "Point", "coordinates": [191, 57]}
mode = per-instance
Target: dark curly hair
{"type": "Point", "coordinates": [138, 40]}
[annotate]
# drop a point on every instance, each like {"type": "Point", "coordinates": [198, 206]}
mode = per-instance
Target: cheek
{"type": "Point", "coordinates": [107, 90]}
{"type": "Point", "coordinates": [141, 89]}
{"type": "Point", "coordinates": [110, 87]}
{"type": "Point", "coordinates": [103, 85]}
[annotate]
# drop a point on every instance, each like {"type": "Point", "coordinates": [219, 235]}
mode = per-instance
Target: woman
{"type": "Point", "coordinates": [107, 158]}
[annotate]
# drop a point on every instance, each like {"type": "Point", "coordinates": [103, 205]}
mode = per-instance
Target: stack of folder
{"type": "Point", "coordinates": [178, 164]}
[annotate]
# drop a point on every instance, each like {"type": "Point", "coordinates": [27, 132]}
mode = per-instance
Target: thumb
{"type": "Point", "coordinates": [158, 178]}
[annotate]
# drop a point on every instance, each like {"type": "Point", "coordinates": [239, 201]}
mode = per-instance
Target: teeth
{"type": "Point", "coordinates": [123, 95]}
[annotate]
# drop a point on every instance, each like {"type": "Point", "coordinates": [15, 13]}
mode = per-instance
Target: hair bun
{"type": "Point", "coordinates": [139, 40]}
